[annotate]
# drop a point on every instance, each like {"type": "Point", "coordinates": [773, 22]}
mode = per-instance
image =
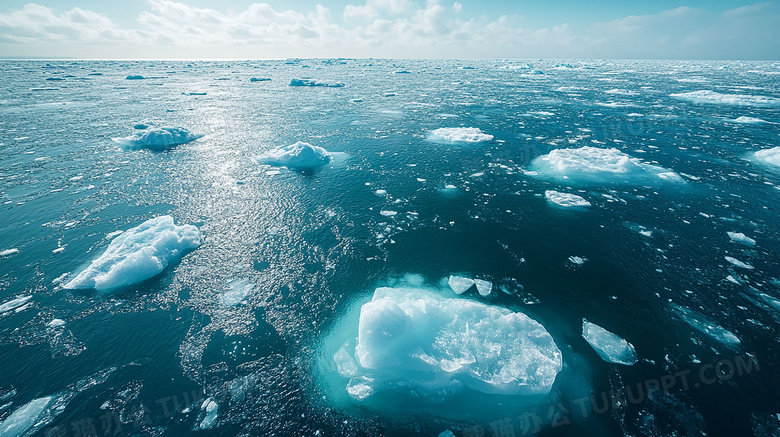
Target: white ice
{"type": "Point", "coordinates": [24, 418]}
{"type": "Point", "coordinates": [211, 409]}
{"type": "Point", "coordinates": [738, 263]}
{"type": "Point", "coordinates": [609, 346]}
{"type": "Point", "coordinates": [483, 287]}
{"type": "Point", "coordinates": [238, 291]}
{"type": "Point", "coordinates": [314, 83]}
{"type": "Point", "coordinates": [14, 303]}
{"type": "Point", "coordinates": [458, 135]}
{"type": "Point", "coordinates": [706, 326]}
{"type": "Point", "coordinates": [460, 284]}
{"type": "Point", "coordinates": [422, 343]}
{"type": "Point", "coordinates": [7, 252]}
{"type": "Point", "coordinates": [748, 120]}
{"type": "Point", "coordinates": [138, 254]}
{"type": "Point", "coordinates": [739, 237]}
{"type": "Point", "coordinates": [298, 156]}
{"type": "Point", "coordinates": [708, 96]}
{"type": "Point", "coordinates": [768, 156]}
{"type": "Point", "coordinates": [158, 138]}
{"type": "Point", "coordinates": [596, 165]}
{"type": "Point", "coordinates": [566, 200]}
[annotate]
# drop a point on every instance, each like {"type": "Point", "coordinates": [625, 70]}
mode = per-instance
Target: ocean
{"type": "Point", "coordinates": [329, 288]}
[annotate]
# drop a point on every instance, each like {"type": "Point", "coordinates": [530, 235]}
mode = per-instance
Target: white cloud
{"type": "Point", "coordinates": [382, 28]}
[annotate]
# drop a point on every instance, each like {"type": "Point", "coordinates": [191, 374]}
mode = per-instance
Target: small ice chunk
{"type": "Point", "coordinates": [459, 135]}
{"type": "Point", "coordinates": [360, 387]}
{"type": "Point", "coordinates": [298, 156]}
{"type": "Point", "coordinates": [739, 263]}
{"type": "Point", "coordinates": [138, 254]}
{"type": "Point", "coordinates": [739, 237]}
{"type": "Point", "coordinates": [609, 346]}
{"type": "Point", "coordinates": [158, 138]}
{"type": "Point", "coordinates": [706, 326]}
{"type": "Point", "coordinates": [211, 409]}
{"type": "Point", "coordinates": [344, 362]}
{"type": "Point", "coordinates": [380, 192]}
{"type": "Point", "coordinates": [238, 291]}
{"type": "Point", "coordinates": [135, 77]}
{"type": "Point", "coordinates": [566, 200]}
{"type": "Point", "coordinates": [577, 260]}
{"type": "Point", "coordinates": [460, 284]}
{"type": "Point", "coordinates": [26, 417]}
{"type": "Point", "coordinates": [9, 252]}
{"type": "Point", "coordinates": [314, 83]}
{"type": "Point", "coordinates": [768, 156]}
{"type": "Point", "coordinates": [483, 287]}
{"type": "Point", "coordinates": [14, 303]}
{"type": "Point", "coordinates": [259, 79]}
{"type": "Point", "coordinates": [387, 213]}
{"type": "Point", "coordinates": [450, 187]}
{"type": "Point", "coordinates": [56, 323]}
{"type": "Point", "coordinates": [748, 120]}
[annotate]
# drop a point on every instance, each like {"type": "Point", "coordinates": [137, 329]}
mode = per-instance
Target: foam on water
{"type": "Point", "coordinates": [138, 254]}
{"type": "Point", "coordinates": [298, 156]}
{"type": "Point", "coordinates": [458, 135]}
{"type": "Point", "coordinates": [158, 138]}
{"type": "Point", "coordinates": [609, 346]}
{"type": "Point", "coordinates": [593, 165]}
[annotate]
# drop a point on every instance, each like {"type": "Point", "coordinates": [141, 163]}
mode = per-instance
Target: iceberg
{"type": "Point", "coordinates": [158, 138]}
{"type": "Point", "coordinates": [739, 237]}
{"type": "Point", "coordinates": [138, 254]}
{"type": "Point", "coordinates": [609, 346]}
{"type": "Point", "coordinates": [314, 83]}
{"type": "Point", "coordinates": [298, 156]}
{"type": "Point", "coordinates": [596, 165]}
{"type": "Point", "coordinates": [768, 156]}
{"type": "Point", "coordinates": [459, 284]}
{"type": "Point", "coordinates": [25, 417]}
{"type": "Point", "coordinates": [416, 342]}
{"type": "Point", "coordinates": [458, 135]}
{"type": "Point", "coordinates": [708, 96]}
{"type": "Point", "coordinates": [14, 303]}
{"type": "Point", "coordinates": [565, 200]}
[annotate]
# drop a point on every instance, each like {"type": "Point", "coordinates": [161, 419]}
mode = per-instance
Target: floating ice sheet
{"type": "Point", "coordinates": [609, 346]}
{"type": "Point", "coordinates": [14, 303]}
{"type": "Point", "coordinates": [709, 96]}
{"type": "Point", "coordinates": [158, 138]}
{"type": "Point", "coordinates": [138, 254]}
{"type": "Point", "coordinates": [566, 200]}
{"type": "Point", "coordinates": [739, 237]}
{"type": "Point", "coordinates": [298, 156]}
{"type": "Point", "coordinates": [314, 83]}
{"type": "Point", "coordinates": [706, 326]}
{"type": "Point", "coordinates": [458, 135]}
{"type": "Point", "coordinates": [768, 156]}
{"type": "Point", "coordinates": [587, 165]}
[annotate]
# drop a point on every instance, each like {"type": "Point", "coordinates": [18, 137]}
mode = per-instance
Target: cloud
{"type": "Point", "coordinates": [383, 28]}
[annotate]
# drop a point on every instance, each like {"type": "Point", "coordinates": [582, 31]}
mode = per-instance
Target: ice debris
{"type": "Point", "coordinates": [8, 252]}
{"type": "Point", "coordinates": [706, 326]}
{"type": "Point", "coordinates": [238, 291]}
{"type": "Point", "coordinates": [458, 135]}
{"type": "Point", "coordinates": [14, 303]}
{"type": "Point", "coordinates": [739, 237]}
{"type": "Point", "coordinates": [709, 96]}
{"type": "Point", "coordinates": [460, 284]}
{"type": "Point", "coordinates": [609, 346]}
{"type": "Point", "coordinates": [138, 254]}
{"type": "Point", "coordinates": [298, 156]}
{"type": "Point", "coordinates": [314, 83]}
{"type": "Point", "coordinates": [566, 200]}
{"type": "Point", "coordinates": [483, 287]}
{"type": "Point", "coordinates": [211, 409]}
{"type": "Point", "coordinates": [158, 138]}
{"type": "Point", "coordinates": [768, 156]}
{"type": "Point", "coordinates": [25, 417]}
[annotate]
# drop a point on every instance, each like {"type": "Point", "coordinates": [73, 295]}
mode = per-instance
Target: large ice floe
{"type": "Point", "coordinates": [609, 346]}
{"type": "Point", "coordinates": [566, 200]}
{"type": "Point", "coordinates": [138, 254]}
{"type": "Point", "coordinates": [708, 96]}
{"type": "Point", "coordinates": [426, 346]}
{"type": "Point", "coordinates": [768, 156]}
{"type": "Point", "coordinates": [298, 156]}
{"type": "Point", "coordinates": [587, 165]}
{"type": "Point", "coordinates": [158, 138]}
{"type": "Point", "coordinates": [458, 135]}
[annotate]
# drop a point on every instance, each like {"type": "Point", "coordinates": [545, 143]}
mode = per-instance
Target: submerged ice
{"type": "Point", "coordinates": [138, 254]}
{"type": "Point", "coordinates": [298, 156]}
{"type": "Point", "coordinates": [158, 138]}
{"type": "Point", "coordinates": [596, 165]}
{"type": "Point", "coordinates": [609, 346]}
{"type": "Point", "coordinates": [419, 343]}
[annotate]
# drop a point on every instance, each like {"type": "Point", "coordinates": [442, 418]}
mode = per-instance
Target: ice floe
{"type": "Point", "coordinates": [749, 120]}
{"type": "Point", "coordinates": [14, 303]}
{"type": "Point", "coordinates": [458, 135]}
{"type": "Point", "coordinates": [314, 83]}
{"type": "Point", "coordinates": [706, 326]}
{"type": "Point", "coordinates": [596, 165]}
{"type": "Point", "coordinates": [209, 410]}
{"type": "Point", "coordinates": [138, 254]}
{"type": "Point", "coordinates": [460, 284]}
{"type": "Point", "coordinates": [298, 156]}
{"type": "Point", "coordinates": [8, 252]}
{"type": "Point", "coordinates": [737, 263]}
{"type": "Point", "coordinates": [768, 156]}
{"type": "Point", "coordinates": [25, 418]}
{"type": "Point", "coordinates": [483, 287]}
{"type": "Point", "coordinates": [419, 343]}
{"type": "Point", "coordinates": [238, 291]}
{"type": "Point", "coordinates": [566, 200]}
{"type": "Point", "coordinates": [158, 138]}
{"type": "Point", "coordinates": [708, 96]}
{"type": "Point", "coordinates": [609, 346]}
{"type": "Point", "coordinates": [739, 237]}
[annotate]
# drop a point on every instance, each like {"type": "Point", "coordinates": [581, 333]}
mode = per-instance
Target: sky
{"type": "Point", "coordinates": [240, 29]}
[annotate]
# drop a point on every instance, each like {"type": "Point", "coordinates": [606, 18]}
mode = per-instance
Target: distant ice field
{"type": "Point", "coordinates": [389, 247]}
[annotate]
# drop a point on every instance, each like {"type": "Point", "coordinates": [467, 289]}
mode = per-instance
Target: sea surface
{"type": "Point", "coordinates": [231, 338]}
